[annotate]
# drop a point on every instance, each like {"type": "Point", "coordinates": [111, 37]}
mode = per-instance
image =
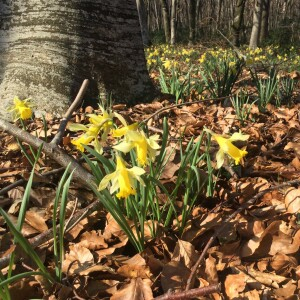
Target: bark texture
{"type": "Point", "coordinates": [254, 39]}
{"type": "Point", "coordinates": [143, 22]}
{"type": "Point", "coordinates": [192, 21]}
{"type": "Point", "coordinates": [47, 48]}
{"type": "Point", "coordinates": [264, 30]}
{"type": "Point", "coordinates": [173, 21]}
{"type": "Point", "coordinates": [238, 21]}
{"type": "Point", "coordinates": [166, 20]}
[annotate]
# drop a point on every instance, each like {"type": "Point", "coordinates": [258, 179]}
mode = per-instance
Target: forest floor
{"type": "Point", "coordinates": [247, 229]}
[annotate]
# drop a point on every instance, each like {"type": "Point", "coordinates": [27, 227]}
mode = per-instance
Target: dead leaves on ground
{"type": "Point", "coordinates": [256, 257]}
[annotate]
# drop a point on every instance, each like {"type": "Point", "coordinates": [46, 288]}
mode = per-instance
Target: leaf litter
{"type": "Point", "coordinates": [256, 257]}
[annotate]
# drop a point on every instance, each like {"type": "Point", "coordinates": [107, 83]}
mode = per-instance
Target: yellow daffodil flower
{"type": "Point", "coordinates": [226, 147]}
{"type": "Point", "coordinates": [123, 130]}
{"type": "Point", "coordinates": [145, 147]}
{"type": "Point", "coordinates": [99, 125]}
{"type": "Point", "coordinates": [123, 179]}
{"type": "Point", "coordinates": [84, 139]}
{"type": "Point", "coordinates": [21, 109]}
{"type": "Point", "coordinates": [103, 122]}
{"type": "Point", "coordinates": [167, 64]}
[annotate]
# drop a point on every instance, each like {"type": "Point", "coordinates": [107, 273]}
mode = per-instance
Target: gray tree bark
{"type": "Point", "coordinates": [238, 21]}
{"type": "Point", "coordinates": [143, 22]}
{"type": "Point", "coordinates": [47, 48]}
{"type": "Point", "coordinates": [173, 22]}
{"type": "Point", "coordinates": [166, 20]}
{"type": "Point", "coordinates": [264, 30]}
{"type": "Point", "coordinates": [257, 12]}
{"type": "Point", "coordinates": [192, 21]}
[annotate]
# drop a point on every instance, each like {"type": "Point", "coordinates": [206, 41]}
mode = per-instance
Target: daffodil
{"type": "Point", "coordinates": [226, 147]}
{"type": "Point", "coordinates": [84, 139]}
{"type": "Point", "coordinates": [123, 179]}
{"type": "Point", "coordinates": [21, 109]}
{"type": "Point", "coordinates": [104, 122]}
{"type": "Point", "coordinates": [167, 64]}
{"type": "Point", "coordinates": [99, 126]}
{"type": "Point", "coordinates": [119, 132]}
{"type": "Point", "coordinates": [145, 147]}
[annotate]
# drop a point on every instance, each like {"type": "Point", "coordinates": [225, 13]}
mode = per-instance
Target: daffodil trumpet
{"type": "Point", "coordinates": [123, 179]}
{"type": "Point", "coordinates": [227, 148]}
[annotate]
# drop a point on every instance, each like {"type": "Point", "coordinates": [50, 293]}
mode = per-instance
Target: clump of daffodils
{"type": "Point", "coordinates": [227, 148]}
{"type": "Point", "coordinates": [129, 137]}
{"type": "Point", "coordinates": [21, 109]}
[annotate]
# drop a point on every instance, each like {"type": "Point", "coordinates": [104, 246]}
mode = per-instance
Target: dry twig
{"type": "Point", "coordinates": [191, 293]}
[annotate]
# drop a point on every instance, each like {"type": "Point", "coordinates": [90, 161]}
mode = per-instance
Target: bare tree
{"type": "Point", "coordinates": [192, 20]}
{"type": "Point", "coordinates": [264, 30]}
{"type": "Point", "coordinates": [238, 21]}
{"type": "Point", "coordinates": [173, 22]}
{"type": "Point", "coordinates": [280, 15]}
{"type": "Point", "coordinates": [257, 13]}
{"type": "Point", "coordinates": [166, 20]}
{"type": "Point", "coordinates": [143, 21]}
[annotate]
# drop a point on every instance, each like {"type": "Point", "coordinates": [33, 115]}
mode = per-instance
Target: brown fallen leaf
{"type": "Point", "coordinates": [174, 276]}
{"type": "Point", "coordinates": [77, 260]}
{"type": "Point", "coordinates": [36, 220]}
{"type": "Point", "coordinates": [283, 264]}
{"type": "Point", "coordinates": [136, 289]}
{"type": "Point", "coordinates": [185, 252]}
{"type": "Point", "coordinates": [268, 279]}
{"type": "Point", "coordinates": [274, 239]}
{"type": "Point", "coordinates": [292, 200]}
{"type": "Point", "coordinates": [211, 270]}
{"type": "Point", "coordinates": [92, 240]}
{"type": "Point", "coordinates": [135, 267]}
{"type": "Point", "coordinates": [235, 284]}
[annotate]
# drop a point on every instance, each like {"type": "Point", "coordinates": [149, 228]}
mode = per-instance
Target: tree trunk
{"type": "Point", "coordinates": [198, 16]}
{"type": "Point", "coordinates": [264, 30]}
{"type": "Point", "coordinates": [257, 12]}
{"type": "Point", "coordinates": [143, 22]}
{"type": "Point", "coordinates": [192, 21]}
{"type": "Point", "coordinates": [173, 22]}
{"type": "Point", "coordinates": [166, 20]}
{"type": "Point", "coordinates": [47, 48]}
{"type": "Point", "coordinates": [238, 21]}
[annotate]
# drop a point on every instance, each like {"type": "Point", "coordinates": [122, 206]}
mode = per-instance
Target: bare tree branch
{"type": "Point", "coordinates": [191, 293]}
{"type": "Point", "coordinates": [64, 121]}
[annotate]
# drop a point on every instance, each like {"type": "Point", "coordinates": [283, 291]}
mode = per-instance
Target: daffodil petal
{"type": "Point", "coordinates": [120, 118]}
{"type": "Point", "coordinates": [220, 158]}
{"type": "Point", "coordinates": [105, 181]}
{"type": "Point", "coordinates": [77, 127]}
{"type": "Point", "coordinates": [238, 136]}
{"type": "Point", "coordinates": [98, 146]}
{"type": "Point", "coordinates": [134, 136]}
{"type": "Point", "coordinates": [124, 146]}
{"type": "Point", "coordinates": [137, 171]}
{"type": "Point", "coordinates": [114, 184]}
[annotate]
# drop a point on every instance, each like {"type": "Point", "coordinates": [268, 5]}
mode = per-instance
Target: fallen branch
{"type": "Point", "coordinates": [190, 281]}
{"type": "Point", "coordinates": [191, 293]}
